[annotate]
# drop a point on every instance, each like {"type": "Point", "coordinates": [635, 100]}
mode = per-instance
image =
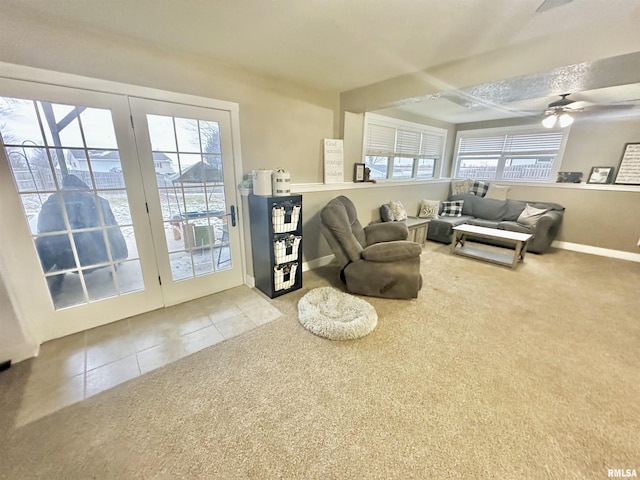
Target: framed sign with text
{"type": "Point", "coordinates": [629, 171]}
{"type": "Point", "coordinates": [333, 161]}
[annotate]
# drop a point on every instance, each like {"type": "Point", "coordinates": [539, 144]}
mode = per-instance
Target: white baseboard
{"type": "Point", "coordinates": [20, 352]}
{"type": "Point", "coordinates": [318, 262]}
{"type": "Point", "coordinates": [603, 252]}
{"type": "Point", "coordinates": [249, 281]}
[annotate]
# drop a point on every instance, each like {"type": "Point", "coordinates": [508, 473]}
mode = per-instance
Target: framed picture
{"type": "Point", "coordinates": [629, 171]}
{"type": "Point", "coordinates": [358, 172]}
{"type": "Point", "coordinates": [569, 177]}
{"type": "Point", "coordinates": [601, 175]}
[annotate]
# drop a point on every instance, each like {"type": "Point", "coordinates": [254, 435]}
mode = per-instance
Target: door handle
{"type": "Point", "coordinates": [233, 215]}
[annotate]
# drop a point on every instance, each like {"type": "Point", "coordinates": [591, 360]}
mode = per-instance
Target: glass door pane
{"type": "Point", "coordinates": [67, 170]}
{"type": "Point", "coordinates": [191, 190]}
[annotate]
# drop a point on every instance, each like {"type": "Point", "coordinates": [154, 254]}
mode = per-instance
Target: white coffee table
{"type": "Point", "coordinates": [518, 240]}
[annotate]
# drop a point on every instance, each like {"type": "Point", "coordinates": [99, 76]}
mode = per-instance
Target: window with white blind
{"type": "Point", "coordinates": [399, 150]}
{"type": "Point", "coordinates": [530, 155]}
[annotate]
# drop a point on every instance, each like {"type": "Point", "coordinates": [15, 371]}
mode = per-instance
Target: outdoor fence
{"type": "Point", "coordinates": [42, 180]}
{"type": "Point", "coordinates": [535, 173]}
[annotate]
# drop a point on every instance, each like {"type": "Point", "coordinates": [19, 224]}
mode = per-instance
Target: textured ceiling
{"type": "Point", "coordinates": [330, 44]}
{"type": "Point", "coordinates": [333, 45]}
{"type": "Point", "coordinates": [604, 87]}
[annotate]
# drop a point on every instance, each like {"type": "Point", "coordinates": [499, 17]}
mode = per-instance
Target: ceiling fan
{"type": "Point", "coordinates": [560, 112]}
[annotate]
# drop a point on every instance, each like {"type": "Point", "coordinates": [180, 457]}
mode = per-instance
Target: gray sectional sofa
{"type": "Point", "coordinates": [501, 214]}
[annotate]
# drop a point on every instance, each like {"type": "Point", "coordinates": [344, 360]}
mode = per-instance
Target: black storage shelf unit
{"type": "Point", "coordinates": [276, 243]}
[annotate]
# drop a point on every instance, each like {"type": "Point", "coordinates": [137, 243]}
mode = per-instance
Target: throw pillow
{"type": "Point", "coordinates": [479, 188]}
{"type": "Point", "coordinates": [429, 209]}
{"type": "Point", "coordinates": [385, 214]}
{"type": "Point", "coordinates": [460, 186]}
{"type": "Point", "coordinates": [452, 208]}
{"type": "Point", "coordinates": [497, 192]}
{"type": "Point", "coordinates": [530, 215]}
{"type": "Point", "coordinates": [399, 213]}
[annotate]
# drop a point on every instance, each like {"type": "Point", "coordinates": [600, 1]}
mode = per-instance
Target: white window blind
{"type": "Point", "coordinates": [549, 141]}
{"type": "Point", "coordinates": [528, 156]}
{"type": "Point", "coordinates": [390, 145]}
{"type": "Point", "coordinates": [431, 146]}
{"type": "Point", "coordinates": [381, 140]}
{"type": "Point", "coordinates": [480, 145]}
{"type": "Point", "coordinates": [408, 143]}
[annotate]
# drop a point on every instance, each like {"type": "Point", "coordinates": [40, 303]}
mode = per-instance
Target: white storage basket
{"type": "Point", "coordinates": [280, 248]}
{"type": "Point", "coordinates": [284, 276]}
{"type": "Point", "coordinates": [278, 215]}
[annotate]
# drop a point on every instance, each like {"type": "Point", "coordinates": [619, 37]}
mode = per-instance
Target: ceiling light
{"type": "Point", "coordinates": [565, 120]}
{"type": "Point", "coordinates": [550, 121]}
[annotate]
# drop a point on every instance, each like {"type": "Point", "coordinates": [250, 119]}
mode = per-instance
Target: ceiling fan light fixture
{"type": "Point", "coordinates": [565, 120]}
{"type": "Point", "coordinates": [550, 121]}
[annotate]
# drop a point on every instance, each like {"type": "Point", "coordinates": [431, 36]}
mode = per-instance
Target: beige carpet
{"type": "Point", "coordinates": [490, 373]}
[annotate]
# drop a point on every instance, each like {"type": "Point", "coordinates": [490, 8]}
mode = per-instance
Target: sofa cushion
{"type": "Point", "coordinates": [490, 209]}
{"type": "Point", "coordinates": [399, 213]}
{"type": "Point", "coordinates": [344, 226]}
{"type": "Point", "coordinates": [514, 209]}
{"type": "Point", "coordinates": [479, 188]}
{"type": "Point", "coordinates": [546, 205]}
{"type": "Point", "coordinates": [391, 251]}
{"type": "Point", "coordinates": [385, 213]}
{"type": "Point", "coordinates": [481, 222]}
{"type": "Point", "coordinates": [386, 232]}
{"type": "Point", "coordinates": [497, 192]}
{"type": "Point", "coordinates": [453, 221]}
{"type": "Point", "coordinates": [469, 201]}
{"type": "Point", "coordinates": [516, 227]}
{"type": "Point", "coordinates": [429, 209]}
{"type": "Point", "coordinates": [461, 186]}
{"type": "Point", "coordinates": [530, 215]}
{"type": "Point", "coordinates": [452, 208]}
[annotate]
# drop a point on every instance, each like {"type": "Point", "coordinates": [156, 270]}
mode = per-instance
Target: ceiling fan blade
{"type": "Point", "coordinates": [610, 106]}
{"type": "Point", "coordinates": [549, 4]}
{"type": "Point", "coordinates": [578, 105]}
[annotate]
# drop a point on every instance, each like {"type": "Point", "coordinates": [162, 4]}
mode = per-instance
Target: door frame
{"type": "Point", "coordinates": [18, 289]}
{"type": "Point", "coordinates": [179, 291]}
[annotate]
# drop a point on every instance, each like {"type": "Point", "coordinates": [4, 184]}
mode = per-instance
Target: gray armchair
{"type": "Point", "coordinates": [376, 260]}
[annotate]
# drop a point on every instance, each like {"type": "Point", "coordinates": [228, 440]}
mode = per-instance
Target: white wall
{"type": "Point", "coordinates": [17, 342]}
{"type": "Point", "coordinates": [281, 124]}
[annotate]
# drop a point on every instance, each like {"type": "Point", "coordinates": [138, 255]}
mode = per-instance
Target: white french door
{"type": "Point", "coordinates": [192, 206]}
{"type": "Point", "coordinates": [102, 221]}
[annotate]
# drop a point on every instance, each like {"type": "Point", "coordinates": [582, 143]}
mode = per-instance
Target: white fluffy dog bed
{"type": "Point", "coordinates": [330, 313]}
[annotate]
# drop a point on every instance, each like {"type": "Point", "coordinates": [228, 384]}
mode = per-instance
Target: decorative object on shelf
{"type": "Point", "coordinates": [358, 172]}
{"type": "Point", "coordinates": [367, 175]}
{"type": "Point", "coordinates": [246, 186]}
{"type": "Point", "coordinates": [629, 171]}
{"type": "Point", "coordinates": [262, 182]}
{"type": "Point", "coordinates": [601, 175]}
{"type": "Point", "coordinates": [330, 313]}
{"type": "Point", "coordinates": [281, 182]}
{"type": "Point", "coordinates": [276, 243]}
{"type": "Point", "coordinates": [333, 160]}
{"type": "Point", "coordinates": [569, 177]}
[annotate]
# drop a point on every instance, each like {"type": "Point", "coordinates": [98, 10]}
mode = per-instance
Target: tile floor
{"type": "Point", "coordinates": [73, 368]}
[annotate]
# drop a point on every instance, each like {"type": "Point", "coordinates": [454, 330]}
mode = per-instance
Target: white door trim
{"type": "Point", "coordinates": [59, 79]}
